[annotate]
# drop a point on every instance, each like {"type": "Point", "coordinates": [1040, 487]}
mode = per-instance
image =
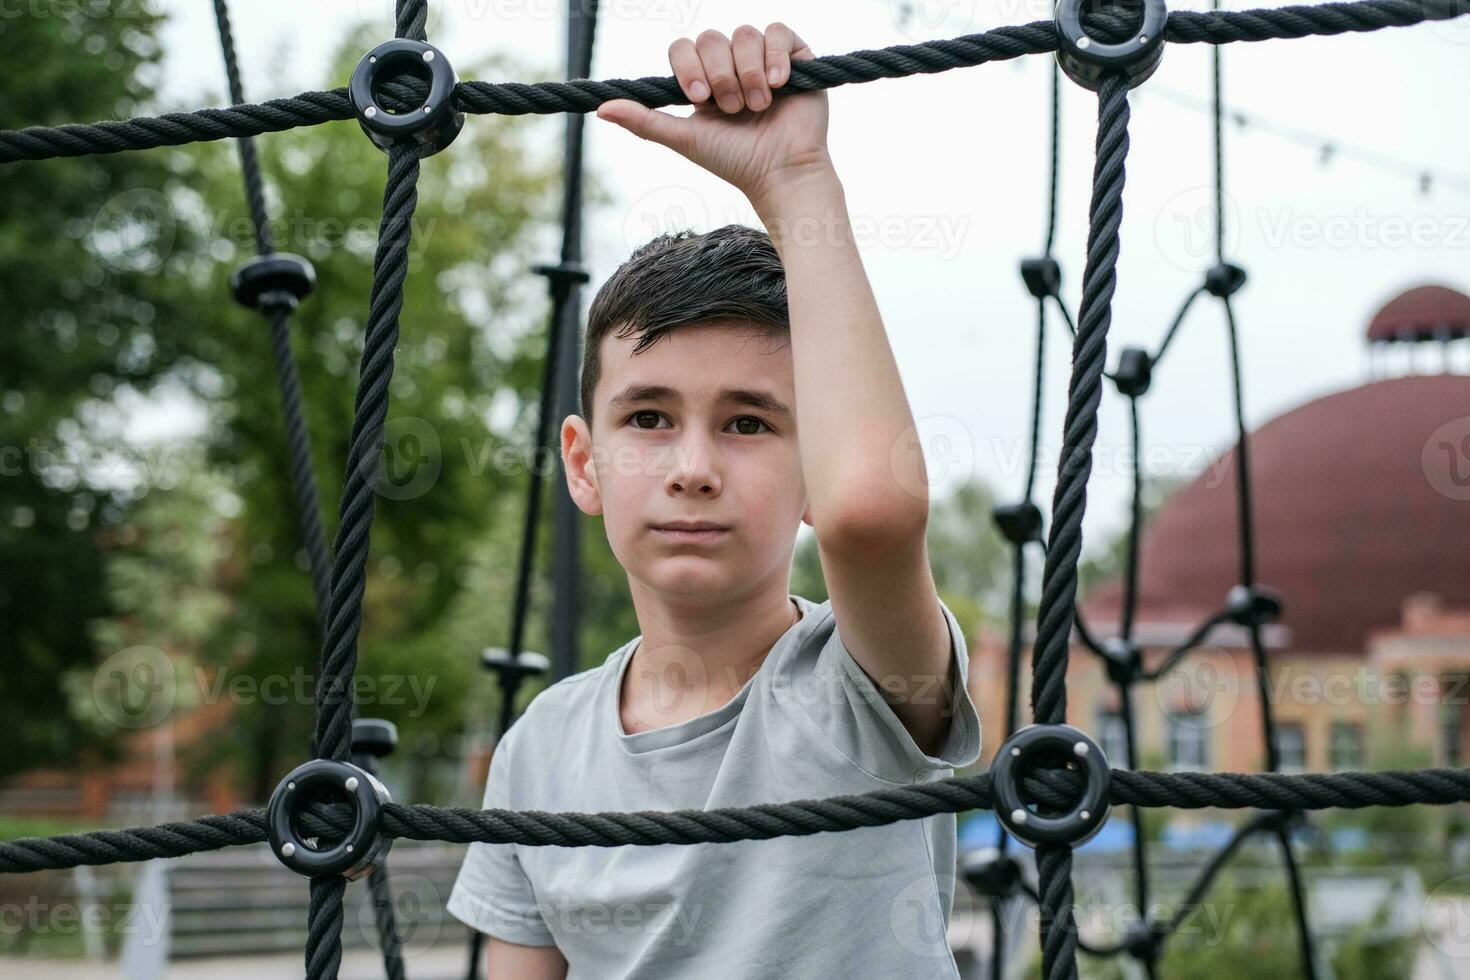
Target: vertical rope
{"type": "Point", "coordinates": [1059, 586]}
{"type": "Point", "coordinates": [288, 379]}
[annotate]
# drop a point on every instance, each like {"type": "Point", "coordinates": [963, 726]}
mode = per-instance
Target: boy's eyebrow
{"type": "Point", "coordinates": [765, 401]}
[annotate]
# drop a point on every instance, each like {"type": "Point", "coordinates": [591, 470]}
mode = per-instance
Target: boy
{"type": "Point", "coordinates": [705, 356]}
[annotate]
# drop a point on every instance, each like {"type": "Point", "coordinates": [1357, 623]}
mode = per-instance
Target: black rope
{"type": "Point", "coordinates": [830, 71]}
{"type": "Point", "coordinates": [1057, 613]}
{"type": "Point", "coordinates": [534, 828]}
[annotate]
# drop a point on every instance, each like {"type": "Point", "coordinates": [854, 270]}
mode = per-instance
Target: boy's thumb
{"type": "Point", "coordinates": [646, 123]}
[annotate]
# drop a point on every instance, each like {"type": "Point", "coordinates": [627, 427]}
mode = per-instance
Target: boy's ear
{"type": "Point", "coordinates": [576, 459]}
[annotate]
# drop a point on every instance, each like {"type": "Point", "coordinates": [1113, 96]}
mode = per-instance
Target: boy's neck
{"type": "Point", "coordinates": [693, 658]}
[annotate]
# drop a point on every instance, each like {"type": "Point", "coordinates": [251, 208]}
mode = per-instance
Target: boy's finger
{"type": "Point", "coordinates": [684, 60]}
{"type": "Point", "coordinates": [650, 124]}
{"type": "Point", "coordinates": [782, 48]}
{"type": "Point", "coordinates": [719, 70]}
{"type": "Point", "coordinates": [749, 47]}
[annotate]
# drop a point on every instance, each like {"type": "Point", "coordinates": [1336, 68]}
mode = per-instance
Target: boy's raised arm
{"type": "Point", "coordinates": [863, 466]}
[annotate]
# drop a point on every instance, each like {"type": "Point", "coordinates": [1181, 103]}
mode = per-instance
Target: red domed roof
{"type": "Point", "coordinates": [1423, 313]}
{"type": "Point", "coordinates": [1361, 499]}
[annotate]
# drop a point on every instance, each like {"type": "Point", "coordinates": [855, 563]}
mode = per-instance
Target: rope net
{"type": "Point", "coordinates": [339, 577]}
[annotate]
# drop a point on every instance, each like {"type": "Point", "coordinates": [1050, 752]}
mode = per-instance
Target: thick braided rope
{"type": "Point", "coordinates": [288, 378]}
{"type": "Point", "coordinates": [829, 71]}
{"type": "Point", "coordinates": [344, 622]}
{"type": "Point", "coordinates": [1069, 503]}
{"type": "Point", "coordinates": [334, 702]}
{"type": "Point", "coordinates": [1180, 790]}
{"type": "Point", "coordinates": [298, 454]}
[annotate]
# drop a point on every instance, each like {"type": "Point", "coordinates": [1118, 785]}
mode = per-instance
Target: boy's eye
{"type": "Point", "coordinates": [750, 420]}
{"type": "Point", "coordinates": [640, 418]}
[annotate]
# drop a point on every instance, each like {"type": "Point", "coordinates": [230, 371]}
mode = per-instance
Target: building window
{"type": "Point", "coordinates": [1189, 746]}
{"type": "Point", "coordinates": [1345, 746]}
{"type": "Point", "coordinates": [1291, 748]}
{"type": "Point", "coordinates": [1112, 737]}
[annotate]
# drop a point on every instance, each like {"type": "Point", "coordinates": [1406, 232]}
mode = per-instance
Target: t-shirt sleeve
{"type": "Point", "coordinates": [853, 713]}
{"type": "Point", "coordinates": [493, 893]}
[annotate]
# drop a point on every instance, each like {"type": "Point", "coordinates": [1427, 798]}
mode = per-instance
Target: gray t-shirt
{"type": "Point", "coordinates": [809, 723]}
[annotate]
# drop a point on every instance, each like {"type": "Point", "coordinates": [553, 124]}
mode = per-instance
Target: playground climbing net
{"type": "Point", "coordinates": [1050, 785]}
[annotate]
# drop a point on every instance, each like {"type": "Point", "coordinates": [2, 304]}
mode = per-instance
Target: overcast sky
{"type": "Point", "coordinates": [945, 178]}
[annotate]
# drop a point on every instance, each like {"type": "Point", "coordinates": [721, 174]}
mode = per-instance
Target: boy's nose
{"type": "Point", "coordinates": [694, 470]}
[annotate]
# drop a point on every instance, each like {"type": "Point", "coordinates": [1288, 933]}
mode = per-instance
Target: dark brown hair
{"type": "Point", "coordinates": [679, 278]}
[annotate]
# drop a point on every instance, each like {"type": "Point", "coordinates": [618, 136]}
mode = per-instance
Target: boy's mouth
{"type": "Point", "coordinates": [691, 532]}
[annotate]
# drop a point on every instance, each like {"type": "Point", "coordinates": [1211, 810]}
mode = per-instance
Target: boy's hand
{"type": "Point", "coordinates": [737, 131]}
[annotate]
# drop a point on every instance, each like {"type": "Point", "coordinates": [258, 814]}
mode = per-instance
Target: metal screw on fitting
{"type": "Point", "coordinates": [1036, 747]}
{"type": "Point", "coordinates": [1086, 60]}
{"type": "Point", "coordinates": [435, 126]}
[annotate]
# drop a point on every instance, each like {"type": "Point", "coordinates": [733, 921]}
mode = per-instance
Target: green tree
{"type": "Point", "coordinates": [88, 322]}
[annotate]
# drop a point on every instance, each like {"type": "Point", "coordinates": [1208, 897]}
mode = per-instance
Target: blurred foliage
{"type": "Point", "coordinates": [83, 326]}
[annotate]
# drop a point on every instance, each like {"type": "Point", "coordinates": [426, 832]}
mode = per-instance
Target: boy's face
{"type": "Point", "coordinates": [698, 428]}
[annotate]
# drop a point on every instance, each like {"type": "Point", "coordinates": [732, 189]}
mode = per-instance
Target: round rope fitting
{"type": "Point", "coordinates": [1086, 60]}
{"type": "Point", "coordinates": [274, 279]}
{"type": "Point", "coordinates": [434, 125]}
{"type": "Point", "coordinates": [322, 780]}
{"type": "Point", "coordinates": [1055, 746]}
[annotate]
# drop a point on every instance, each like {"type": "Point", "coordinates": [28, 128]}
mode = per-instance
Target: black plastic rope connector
{"type": "Point", "coordinates": [1043, 276]}
{"type": "Point", "coordinates": [374, 737]}
{"type": "Point", "coordinates": [434, 125]}
{"type": "Point", "coordinates": [276, 280]}
{"type": "Point", "coordinates": [1224, 280]}
{"type": "Point", "coordinates": [1086, 60]}
{"type": "Point", "coordinates": [1252, 605]}
{"type": "Point", "coordinates": [1144, 941]}
{"type": "Point", "coordinates": [568, 272]}
{"type": "Point", "coordinates": [1134, 372]}
{"type": "Point", "coordinates": [1020, 523]}
{"type": "Point", "coordinates": [320, 781]}
{"type": "Point", "coordinates": [1037, 747]}
{"type": "Point", "coordinates": [1124, 660]}
{"type": "Point", "coordinates": [991, 872]}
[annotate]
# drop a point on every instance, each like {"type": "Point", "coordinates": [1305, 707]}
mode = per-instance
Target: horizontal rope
{"type": "Point", "coordinates": [1183, 790]}
{"type": "Point", "coordinates": [585, 95]}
